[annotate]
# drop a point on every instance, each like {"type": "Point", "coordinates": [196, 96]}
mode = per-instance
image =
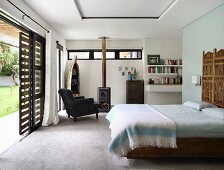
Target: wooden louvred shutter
{"type": "Point", "coordinates": [38, 91]}
{"type": "Point", "coordinates": [32, 78]}
{"type": "Point", "coordinates": [24, 91]}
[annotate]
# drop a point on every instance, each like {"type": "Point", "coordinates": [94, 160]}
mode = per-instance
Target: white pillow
{"type": "Point", "coordinates": [216, 112]}
{"type": "Point", "coordinates": [198, 105]}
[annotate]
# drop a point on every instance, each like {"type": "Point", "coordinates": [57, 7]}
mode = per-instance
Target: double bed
{"type": "Point", "coordinates": [196, 133]}
{"type": "Point", "coordinates": [151, 131]}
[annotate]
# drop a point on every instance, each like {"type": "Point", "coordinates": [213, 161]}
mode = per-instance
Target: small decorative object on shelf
{"type": "Point", "coordinates": [172, 62]}
{"type": "Point", "coordinates": [130, 76]}
{"type": "Point", "coordinates": [135, 74]}
{"type": "Point", "coordinates": [151, 81]}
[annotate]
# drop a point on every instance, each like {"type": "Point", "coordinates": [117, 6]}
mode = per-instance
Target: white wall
{"type": "Point", "coordinates": [204, 34]}
{"type": "Point", "coordinates": [91, 72]}
{"type": "Point", "coordinates": [91, 77]}
{"type": "Point", "coordinates": [111, 44]}
{"type": "Point", "coordinates": [167, 49]}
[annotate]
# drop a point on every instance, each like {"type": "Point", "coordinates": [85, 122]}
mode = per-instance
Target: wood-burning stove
{"type": "Point", "coordinates": [104, 92]}
{"type": "Point", "coordinates": [104, 99]}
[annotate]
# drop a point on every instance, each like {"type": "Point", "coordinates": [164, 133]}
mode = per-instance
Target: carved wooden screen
{"type": "Point", "coordinates": [219, 78]}
{"type": "Point", "coordinates": [207, 77]}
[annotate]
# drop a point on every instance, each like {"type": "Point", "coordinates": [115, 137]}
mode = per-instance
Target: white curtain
{"type": "Point", "coordinates": [50, 106]}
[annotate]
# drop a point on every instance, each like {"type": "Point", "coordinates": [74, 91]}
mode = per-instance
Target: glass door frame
{"type": "Point", "coordinates": [59, 83]}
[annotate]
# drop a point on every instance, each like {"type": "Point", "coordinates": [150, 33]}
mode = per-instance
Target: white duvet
{"type": "Point", "coordinates": [139, 125]}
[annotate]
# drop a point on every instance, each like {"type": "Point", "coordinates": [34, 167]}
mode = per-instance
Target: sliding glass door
{"type": "Point", "coordinates": [32, 78]}
{"type": "Point", "coordinates": [59, 82]}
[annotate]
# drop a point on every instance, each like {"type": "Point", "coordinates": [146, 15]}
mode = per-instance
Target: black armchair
{"type": "Point", "coordinates": [78, 106]}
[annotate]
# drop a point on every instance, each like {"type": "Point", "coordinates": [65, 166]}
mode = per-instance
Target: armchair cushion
{"type": "Point", "coordinates": [79, 97]}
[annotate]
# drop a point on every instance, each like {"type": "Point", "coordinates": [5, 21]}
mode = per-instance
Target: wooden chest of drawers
{"type": "Point", "coordinates": [135, 92]}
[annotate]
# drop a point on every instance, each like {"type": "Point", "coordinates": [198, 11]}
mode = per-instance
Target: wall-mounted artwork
{"type": "Point", "coordinates": [119, 68]}
{"type": "Point", "coordinates": [123, 73]}
{"type": "Point", "coordinates": [126, 68]}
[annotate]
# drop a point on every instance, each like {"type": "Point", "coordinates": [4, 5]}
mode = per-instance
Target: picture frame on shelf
{"type": "Point", "coordinates": [153, 59]}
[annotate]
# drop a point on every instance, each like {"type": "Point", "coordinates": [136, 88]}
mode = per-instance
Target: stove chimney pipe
{"type": "Point", "coordinates": [103, 39]}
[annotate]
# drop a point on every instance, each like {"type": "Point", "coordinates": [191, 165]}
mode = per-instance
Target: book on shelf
{"type": "Point", "coordinates": [172, 62]}
{"type": "Point", "coordinates": [177, 62]}
{"type": "Point", "coordinates": [165, 80]}
{"type": "Point", "coordinates": [161, 69]}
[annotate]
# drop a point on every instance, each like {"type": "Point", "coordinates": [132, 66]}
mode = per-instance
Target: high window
{"type": "Point", "coordinates": [96, 54]}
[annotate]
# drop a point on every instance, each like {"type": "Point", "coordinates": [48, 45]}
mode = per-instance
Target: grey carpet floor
{"type": "Point", "coordinates": [83, 146]}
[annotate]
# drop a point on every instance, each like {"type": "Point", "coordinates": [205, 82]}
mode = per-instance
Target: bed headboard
{"type": "Point", "coordinates": [213, 77]}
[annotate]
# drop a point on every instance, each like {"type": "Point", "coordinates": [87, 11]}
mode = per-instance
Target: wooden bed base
{"type": "Point", "coordinates": [186, 148]}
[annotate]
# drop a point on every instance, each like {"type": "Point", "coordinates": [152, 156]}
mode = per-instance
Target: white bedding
{"type": "Point", "coordinates": [130, 128]}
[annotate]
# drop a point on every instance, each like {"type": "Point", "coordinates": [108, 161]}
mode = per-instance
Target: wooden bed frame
{"type": "Point", "coordinates": [186, 147]}
{"type": "Point", "coordinates": [212, 92]}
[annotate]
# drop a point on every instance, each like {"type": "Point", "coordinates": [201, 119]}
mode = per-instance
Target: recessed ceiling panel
{"type": "Point", "coordinates": [122, 8]}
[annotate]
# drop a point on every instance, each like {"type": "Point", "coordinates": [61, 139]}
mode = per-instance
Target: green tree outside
{"type": "Point", "coordinates": [8, 61]}
{"type": "Point", "coordinates": [9, 96]}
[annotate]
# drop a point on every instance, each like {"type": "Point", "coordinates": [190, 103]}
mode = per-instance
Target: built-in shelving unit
{"type": "Point", "coordinates": [165, 77]}
{"type": "Point", "coordinates": [164, 88]}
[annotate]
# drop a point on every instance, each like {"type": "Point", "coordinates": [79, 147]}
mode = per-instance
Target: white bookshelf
{"type": "Point", "coordinates": [164, 88]}
{"type": "Point", "coordinates": [166, 70]}
{"type": "Point", "coordinates": [164, 65]}
{"type": "Point", "coordinates": [166, 78]}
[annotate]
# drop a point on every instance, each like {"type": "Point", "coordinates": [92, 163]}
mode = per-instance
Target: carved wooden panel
{"type": "Point", "coordinates": [219, 78]}
{"type": "Point", "coordinates": [219, 63]}
{"type": "Point", "coordinates": [208, 64]}
{"type": "Point", "coordinates": [207, 77]}
{"type": "Point", "coordinates": [207, 89]}
{"type": "Point", "coordinates": [219, 91]}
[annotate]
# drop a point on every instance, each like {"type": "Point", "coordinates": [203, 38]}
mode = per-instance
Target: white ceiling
{"type": "Point", "coordinates": [64, 16]}
{"type": "Point", "coordinates": [123, 8]}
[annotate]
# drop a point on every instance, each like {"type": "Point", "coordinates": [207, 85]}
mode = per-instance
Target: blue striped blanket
{"type": "Point", "coordinates": [139, 125]}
